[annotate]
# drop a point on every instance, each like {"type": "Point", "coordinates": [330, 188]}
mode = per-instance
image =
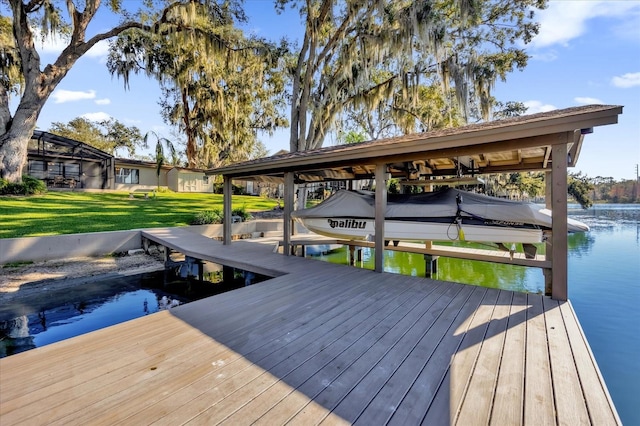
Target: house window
{"type": "Point", "coordinates": [124, 175]}
{"type": "Point", "coordinates": [72, 170]}
{"type": "Point", "coordinates": [36, 169]}
{"type": "Point", "coordinates": [54, 169]}
{"type": "Point", "coordinates": [205, 179]}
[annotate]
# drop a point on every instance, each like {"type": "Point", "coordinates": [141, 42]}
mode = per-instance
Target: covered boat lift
{"type": "Point", "coordinates": [549, 142]}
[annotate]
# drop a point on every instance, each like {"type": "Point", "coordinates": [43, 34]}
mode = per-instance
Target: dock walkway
{"type": "Point", "coordinates": [319, 343]}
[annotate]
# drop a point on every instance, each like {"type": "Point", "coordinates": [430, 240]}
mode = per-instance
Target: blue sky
{"type": "Point", "coordinates": [587, 52]}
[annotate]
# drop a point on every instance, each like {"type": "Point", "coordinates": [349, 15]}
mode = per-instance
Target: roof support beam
{"type": "Point", "coordinates": [381, 207]}
{"type": "Point", "coordinates": [547, 155]}
{"type": "Point", "coordinates": [559, 272]}
{"type": "Point", "coordinates": [227, 191]}
{"type": "Point", "coordinates": [574, 152]}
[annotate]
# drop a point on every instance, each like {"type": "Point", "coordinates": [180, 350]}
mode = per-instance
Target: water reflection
{"type": "Point", "coordinates": [44, 326]}
{"type": "Point", "coordinates": [15, 333]}
{"type": "Point", "coordinates": [601, 219]}
{"type": "Point", "coordinates": [581, 243]}
{"type": "Point", "coordinates": [517, 278]}
{"type": "Point", "coordinates": [57, 315]}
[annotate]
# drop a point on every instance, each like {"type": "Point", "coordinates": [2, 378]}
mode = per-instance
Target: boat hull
{"type": "Point", "coordinates": [364, 229]}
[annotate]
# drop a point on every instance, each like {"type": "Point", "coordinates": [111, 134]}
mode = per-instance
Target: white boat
{"type": "Point", "coordinates": [447, 215]}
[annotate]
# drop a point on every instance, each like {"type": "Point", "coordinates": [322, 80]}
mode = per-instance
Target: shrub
{"type": "Point", "coordinates": [218, 188]}
{"type": "Point", "coordinates": [11, 188]}
{"type": "Point", "coordinates": [28, 186]}
{"type": "Point", "coordinates": [207, 217]}
{"type": "Point", "coordinates": [242, 213]}
{"type": "Point", "coordinates": [33, 185]}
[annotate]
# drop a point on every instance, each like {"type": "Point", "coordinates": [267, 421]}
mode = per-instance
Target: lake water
{"type": "Point", "coordinates": [61, 314]}
{"type": "Point", "coordinates": [604, 288]}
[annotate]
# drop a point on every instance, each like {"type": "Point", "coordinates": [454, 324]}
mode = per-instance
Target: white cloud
{"type": "Point", "coordinates": [96, 116]}
{"type": "Point", "coordinates": [626, 81]}
{"type": "Point", "coordinates": [132, 121]}
{"type": "Point", "coordinates": [587, 100]}
{"type": "Point", "coordinates": [99, 50]}
{"type": "Point", "coordinates": [555, 25]}
{"type": "Point", "coordinates": [52, 45]}
{"type": "Point", "coordinates": [534, 107]}
{"type": "Point", "coordinates": [104, 101]}
{"type": "Point", "coordinates": [563, 21]}
{"type": "Point", "coordinates": [61, 96]}
{"type": "Point", "coordinates": [628, 29]}
{"type": "Point", "coordinates": [55, 44]}
{"type": "Point", "coordinates": [547, 56]}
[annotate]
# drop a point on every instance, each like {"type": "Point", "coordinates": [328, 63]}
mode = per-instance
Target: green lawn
{"type": "Point", "coordinates": [58, 213]}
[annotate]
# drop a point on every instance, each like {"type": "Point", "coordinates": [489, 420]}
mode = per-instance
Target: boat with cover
{"type": "Point", "coordinates": [446, 215]}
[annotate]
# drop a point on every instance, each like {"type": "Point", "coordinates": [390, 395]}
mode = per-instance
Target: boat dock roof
{"type": "Point", "coordinates": [319, 343]}
{"type": "Point", "coordinates": [548, 141]}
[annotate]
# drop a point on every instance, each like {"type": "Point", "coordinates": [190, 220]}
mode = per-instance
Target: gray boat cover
{"type": "Point", "coordinates": [440, 204]}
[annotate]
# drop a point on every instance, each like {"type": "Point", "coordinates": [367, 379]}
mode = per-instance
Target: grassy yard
{"type": "Point", "coordinates": [57, 213]}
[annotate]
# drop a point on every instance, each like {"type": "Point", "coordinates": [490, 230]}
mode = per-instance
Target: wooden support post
{"type": "Point", "coordinates": [546, 272]}
{"type": "Point", "coordinates": [288, 208]}
{"type": "Point", "coordinates": [559, 274]}
{"type": "Point", "coordinates": [381, 207]}
{"type": "Point", "coordinates": [227, 274]}
{"type": "Point", "coordinates": [431, 265]}
{"type": "Point", "coordinates": [352, 257]}
{"type": "Point", "coordinates": [227, 190]}
{"type": "Point", "coordinates": [359, 256]}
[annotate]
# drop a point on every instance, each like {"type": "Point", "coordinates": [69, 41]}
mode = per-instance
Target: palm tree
{"type": "Point", "coordinates": [161, 143]}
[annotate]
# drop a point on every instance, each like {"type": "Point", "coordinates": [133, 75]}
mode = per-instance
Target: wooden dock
{"type": "Point", "coordinates": [320, 343]}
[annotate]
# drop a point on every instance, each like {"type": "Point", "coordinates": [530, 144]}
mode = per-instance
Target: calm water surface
{"type": "Point", "coordinates": [604, 288]}
{"type": "Point", "coordinates": [57, 315]}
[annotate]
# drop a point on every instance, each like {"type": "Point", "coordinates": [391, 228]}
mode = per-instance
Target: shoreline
{"type": "Point", "coordinates": [17, 282]}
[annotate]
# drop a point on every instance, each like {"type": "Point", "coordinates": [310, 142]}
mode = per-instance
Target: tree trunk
{"type": "Point", "coordinates": [38, 86]}
{"type": "Point", "coordinates": [13, 143]}
{"type": "Point", "coordinates": [301, 199]}
{"type": "Point", "coordinates": [13, 153]}
{"type": "Point", "coordinates": [191, 136]}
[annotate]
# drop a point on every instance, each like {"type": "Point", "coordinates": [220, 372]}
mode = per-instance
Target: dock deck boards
{"type": "Point", "coordinates": [319, 343]}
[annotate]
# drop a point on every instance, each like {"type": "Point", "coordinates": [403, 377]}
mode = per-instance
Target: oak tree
{"type": "Point", "coordinates": [36, 19]}
{"type": "Point", "coordinates": [220, 96]}
{"type": "Point", "coordinates": [106, 135]}
{"type": "Point", "coordinates": [461, 45]}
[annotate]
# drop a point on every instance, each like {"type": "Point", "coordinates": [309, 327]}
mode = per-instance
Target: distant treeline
{"type": "Point", "coordinates": [607, 190]}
